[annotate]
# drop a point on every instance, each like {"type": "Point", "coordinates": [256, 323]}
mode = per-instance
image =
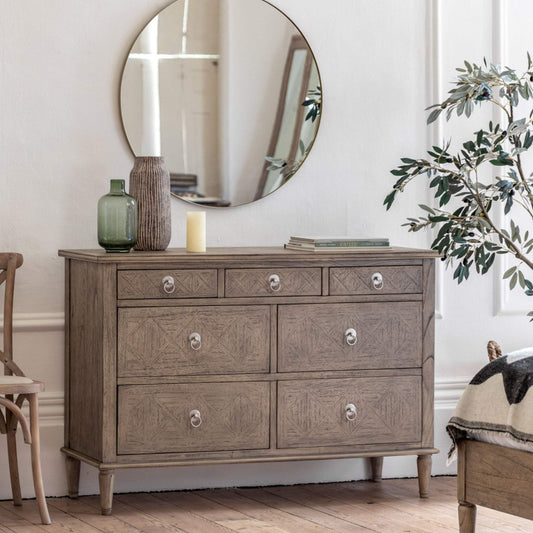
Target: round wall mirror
{"type": "Point", "coordinates": [228, 92]}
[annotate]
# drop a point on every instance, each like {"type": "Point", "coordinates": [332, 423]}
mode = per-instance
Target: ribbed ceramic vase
{"type": "Point", "coordinates": [150, 186]}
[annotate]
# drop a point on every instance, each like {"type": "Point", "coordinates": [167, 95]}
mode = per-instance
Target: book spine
{"type": "Point", "coordinates": [351, 244]}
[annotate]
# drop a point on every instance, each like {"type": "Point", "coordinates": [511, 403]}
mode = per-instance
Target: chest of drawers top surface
{"type": "Point", "coordinates": [249, 254]}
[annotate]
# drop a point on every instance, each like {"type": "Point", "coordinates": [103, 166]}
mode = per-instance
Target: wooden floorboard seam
{"type": "Point", "coordinates": [392, 506]}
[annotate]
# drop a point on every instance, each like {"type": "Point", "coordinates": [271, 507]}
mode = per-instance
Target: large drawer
{"type": "Point", "coordinates": [193, 417]}
{"type": "Point", "coordinates": [372, 280]}
{"type": "Point", "coordinates": [355, 411]}
{"type": "Point", "coordinates": [168, 341]}
{"type": "Point", "coordinates": [138, 284]}
{"type": "Point", "coordinates": [319, 336]}
{"type": "Point", "coordinates": [244, 282]}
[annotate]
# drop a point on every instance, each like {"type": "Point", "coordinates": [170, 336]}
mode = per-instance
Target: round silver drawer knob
{"type": "Point", "coordinates": [195, 341]}
{"type": "Point", "coordinates": [196, 418]}
{"type": "Point", "coordinates": [169, 285]}
{"type": "Point", "coordinates": [377, 281]}
{"type": "Point", "coordinates": [274, 282]}
{"type": "Point", "coordinates": [350, 335]}
{"type": "Point", "coordinates": [350, 412]}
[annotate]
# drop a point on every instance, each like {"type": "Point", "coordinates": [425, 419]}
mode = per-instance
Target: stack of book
{"type": "Point", "coordinates": [331, 244]}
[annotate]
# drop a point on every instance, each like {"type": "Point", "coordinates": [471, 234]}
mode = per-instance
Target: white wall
{"type": "Point", "coordinates": [61, 141]}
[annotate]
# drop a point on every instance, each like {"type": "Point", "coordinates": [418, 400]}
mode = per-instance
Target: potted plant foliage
{"type": "Point", "coordinates": [466, 189]}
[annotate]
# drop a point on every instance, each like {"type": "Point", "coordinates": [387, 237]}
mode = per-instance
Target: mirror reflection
{"type": "Point", "coordinates": [228, 92]}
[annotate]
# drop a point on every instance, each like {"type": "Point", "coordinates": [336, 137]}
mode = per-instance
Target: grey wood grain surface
{"type": "Point", "coordinates": [138, 284]}
{"type": "Point", "coordinates": [312, 336]}
{"type": "Point", "coordinates": [273, 370]}
{"type": "Point", "coordinates": [156, 419]}
{"type": "Point", "coordinates": [312, 412]}
{"type": "Point", "coordinates": [155, 341]}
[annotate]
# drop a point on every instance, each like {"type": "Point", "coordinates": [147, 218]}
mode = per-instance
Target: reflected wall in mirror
{"type": "Point", "coordinates": [228, 92]}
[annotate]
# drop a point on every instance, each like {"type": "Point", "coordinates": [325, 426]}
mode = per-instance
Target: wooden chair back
{"type": "Point", "coordinates": [9, 262]}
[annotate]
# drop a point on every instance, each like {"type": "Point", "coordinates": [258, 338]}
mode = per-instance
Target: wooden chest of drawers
{"type": "Point", "coordinates": [247, 355]}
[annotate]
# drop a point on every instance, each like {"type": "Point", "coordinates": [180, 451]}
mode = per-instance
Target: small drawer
{"type": "Point", "coordinates": [193, 417]}
{"type": "Point", "coordinates": [169, 341]}
{"type": "Point", "coordinates": [375, 280]}
{"type": "Point", "coordinates": [138, 284]}
{"type": "Point", "coordinates": [355, 411]}
{"type": "Point", "coordinates": [244, 282]}
{"type": "Point", "coordinates": [349, 336]}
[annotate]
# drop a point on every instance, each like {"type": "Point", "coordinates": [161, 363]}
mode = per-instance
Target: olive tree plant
{"type": "Point", "coordinates": [463, 181]}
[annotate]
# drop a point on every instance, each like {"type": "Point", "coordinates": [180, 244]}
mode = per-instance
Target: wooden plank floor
{"type": "Point", "coordinates": [391, 506]}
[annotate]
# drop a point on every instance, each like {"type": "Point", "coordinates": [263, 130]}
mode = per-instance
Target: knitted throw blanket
{"type": "Point", "coordinates": [497, 405]}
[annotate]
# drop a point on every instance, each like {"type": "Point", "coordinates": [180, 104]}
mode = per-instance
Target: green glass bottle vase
{"type": "Point", "coordinates": [117, 219]}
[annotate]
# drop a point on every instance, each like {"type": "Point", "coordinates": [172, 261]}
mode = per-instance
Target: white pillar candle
{"type": "Point", "coordinates": [196, 231]}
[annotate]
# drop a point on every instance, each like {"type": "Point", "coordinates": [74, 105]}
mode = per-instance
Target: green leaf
{"type": "Point", "coordinates": [389, 199]}
{"type": "Point", "coordinates": [508, 205]}
{"type": "Point", "coordinates": [426, 208]}
{"type": "Point", "coordinates": [397, 172]}
{"type": "Point", "coordinates": [469, 107]}
{"type": "Point", "coordinates": [522, 89]}
{"type": "Point", "coordinates": [445, 199]}
{"type": "Point", "coordinates": [488, 263]}
{"type": "Point", "coordinates": [491, 247]}
{"type": "Point", "coordinates": [521, 280]}
{"type": "Point", "coordinates": [470, 146]}
{"type": "Point", "coordinates": [434, 115]}
{"type": "Point", "coordinates": [509, 273]}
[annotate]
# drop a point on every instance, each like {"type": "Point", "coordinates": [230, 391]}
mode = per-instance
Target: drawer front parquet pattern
{"type": "Point", "coordinates": [312, 412]}
{"type": "Point", "coordinates": [138, 284]}
{"type": "Point", "coordinates": [156, 418]}
{"type": "Point", "coordinates": [155, 341]}
{"type": "Point", "coordinates": [358, 280]}
{"type": "Point", "coordinates": [312, 336]}
{"type": "Point", "coordinates": [244, 282]}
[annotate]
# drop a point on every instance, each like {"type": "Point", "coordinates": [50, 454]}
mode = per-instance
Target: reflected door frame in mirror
{"type": "Point", "coordinates": [298, 42]}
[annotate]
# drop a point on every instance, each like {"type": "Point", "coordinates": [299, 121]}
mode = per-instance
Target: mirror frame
{"type": "Point", "coordinates": [298, 42]}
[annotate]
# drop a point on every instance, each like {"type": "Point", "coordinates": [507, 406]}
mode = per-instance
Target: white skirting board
{"type": "Point", "coordinates": [140, 479]}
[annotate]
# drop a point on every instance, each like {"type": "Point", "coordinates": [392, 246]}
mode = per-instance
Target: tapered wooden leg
{"type": "Point", "coordinates": [467, 517]}
{"type": "Point", "coordinates": [423, 464]}
{"type": "Point", "coordinates": [376, 463]}
{"type": "Point", "coordinates": [73, 477]}
{"type": "Point", "coordinates": [106, 479]}
{"type": "Point", "coordinates": [36, 459]}
{"type": "Point", "coordinates": [12, 459]}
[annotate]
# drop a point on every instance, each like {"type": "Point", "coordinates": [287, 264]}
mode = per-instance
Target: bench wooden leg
{"type": "Point", "coordinates": [467, 517]}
